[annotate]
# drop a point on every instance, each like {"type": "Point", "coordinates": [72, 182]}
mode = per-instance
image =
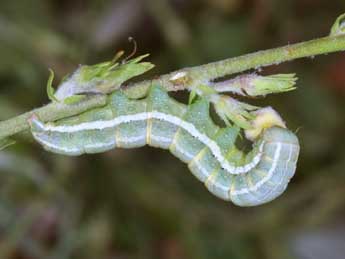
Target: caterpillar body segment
{"type": "Point", "coordinates": [129, 134]}
{"type": "Point", "coordinates": [190, 134]}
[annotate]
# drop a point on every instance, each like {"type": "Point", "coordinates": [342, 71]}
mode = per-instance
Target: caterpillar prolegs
{"type": "Point", "coordinates": [190, 134]}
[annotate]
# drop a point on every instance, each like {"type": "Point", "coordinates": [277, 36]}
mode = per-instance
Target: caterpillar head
{"type": "Point", "coordinates": [264, 118]}
{"type": "Point", "coordinates": [279, 134]}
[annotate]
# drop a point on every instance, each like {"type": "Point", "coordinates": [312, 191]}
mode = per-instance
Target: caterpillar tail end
{"type": "Point", "coordinates": [35, 123]}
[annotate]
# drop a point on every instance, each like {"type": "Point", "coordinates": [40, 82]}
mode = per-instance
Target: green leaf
{"type": "Point", "coordinates": [50, 89]}
{"type": "Point", "coordinates": [204, 90]}
{"type": "Point", "coordinates": [6, 142]}
{"type": "Point", "coordinates": [117, 56]}
{"type": "Point", "coordinates": [137, 59]}
{"type": "Point", "coordinates": [229, 109]}
{"type": "Point", "coordinates": [192, 97]}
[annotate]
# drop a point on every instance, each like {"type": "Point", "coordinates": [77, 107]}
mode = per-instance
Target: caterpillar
{"type": "Point", "coordinates": [246, 179]}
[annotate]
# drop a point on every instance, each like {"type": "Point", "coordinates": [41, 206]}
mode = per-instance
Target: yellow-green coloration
{"type": "Point", "coordinates": [257, 85]}
{"type": "Point", "coordinates": [101, 78]}
{"type": "Point", "coordinates": [338, 27]}
{"type": "Point", "coordinates": [190, 134]}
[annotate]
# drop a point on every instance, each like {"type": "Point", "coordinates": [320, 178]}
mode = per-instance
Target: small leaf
{"type": "Point", "coordinates": [204, 90]}
{"type": "Point", "coordinates": [6, 142]}
{"type": "Point", "coordinates": [137, 59]}
{"type": "Point", "coordinates": [117, 56]}
{"type": "Point", "coordinates": [338, 27]}
{"type": "Point", "coordinates": [207, 90]}
{"type": "Point", "coordinates": [50, 89]}
{"type": "Point", "coordinates": [229, 109]}
{"type": "Point", "coordinates": [192, 97]}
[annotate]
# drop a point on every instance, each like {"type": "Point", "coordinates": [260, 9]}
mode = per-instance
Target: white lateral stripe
{"type": "Point", "coordinates": [202, 170]}
{"type": "Point", "coordinates": [99, 145]}
{"type": "Point", "coordinates": [53, 146]}
{"type": "Point", "coordinates": [132, 139]}
{"type": "Point", "coordinates": [266, 178]}
{"type": "Point", "coordinates": [189, 156]}
{"type": "Point", "coordinates": [160, 138]}
{"type": "Point", "coordinates": [285, 172]}
{"type": "Point", "coordinates": [189, 127]}
{"type": "Point", "coordinates": [72, 150]}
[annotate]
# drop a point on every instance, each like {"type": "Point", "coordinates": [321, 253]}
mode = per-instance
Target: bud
{"type": "Point", "coordinates": [256, 85]}
{"type": "Point", "coordinates": [264, 118]}
{"type": "Point", "coordinates": [229, 109]}
{"type": "Point", "coordinates": [262, 85]}
{"type": "Point", "coordinates": [101, 78]}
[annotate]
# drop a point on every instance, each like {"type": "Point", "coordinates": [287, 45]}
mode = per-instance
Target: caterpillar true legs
{"type": "Point", "coordinates": [190, 134]}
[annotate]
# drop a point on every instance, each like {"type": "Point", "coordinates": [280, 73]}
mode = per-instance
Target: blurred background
{"type": "Point", "coordinates": [144, 203]}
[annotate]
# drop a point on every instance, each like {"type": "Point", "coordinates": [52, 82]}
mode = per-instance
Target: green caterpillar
{"type": "Point", "coordinates": [190, 134]}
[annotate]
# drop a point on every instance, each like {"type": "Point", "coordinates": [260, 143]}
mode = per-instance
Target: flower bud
{"type": "Point", "coordinates": [101, 78]}
{"type": "Point", "coordinates": [229, 109]}
{"type": "Point", "coordinates": [256, 85]}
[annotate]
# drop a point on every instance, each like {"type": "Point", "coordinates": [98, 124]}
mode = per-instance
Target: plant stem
{"type": "Point", "coordinates": [208, 72]}
{"type": "Point", "coordinates": [55, 111]}
{"type": "Point", "coordinates": [269, 57]}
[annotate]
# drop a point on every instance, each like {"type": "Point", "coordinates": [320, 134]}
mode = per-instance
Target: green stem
{"type": "Point", "coordinates": [196, 74]}
{"type": "Point", "coordinates": [269, 57]}
{"type": "Point", "coordinates": [208, 72]}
